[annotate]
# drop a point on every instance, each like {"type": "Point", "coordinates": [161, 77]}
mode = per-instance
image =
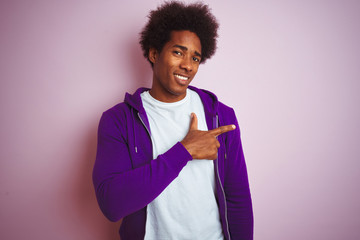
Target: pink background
{"type": "Point", "coordinates": [289, 68]}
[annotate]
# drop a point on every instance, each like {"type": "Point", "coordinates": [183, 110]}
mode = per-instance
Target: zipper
{"type": "Point", "coordinates": [144, 124]}
{"type": "Point", "coordinates": [144, 127]}
{"type": "Point", "coordinates": [221, 187]}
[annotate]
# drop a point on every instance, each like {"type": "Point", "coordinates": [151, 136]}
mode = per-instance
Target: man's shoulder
{"type": "Point", "coordinates": [119, 107]}
{"type": "Point", "coordinates": [211, 96]}
{"type": "Point", "coordinates": [226, 112]}
{"type": "Point", "coordinates": [224, 107]}
{"type": "Point", "coordinates": [117, 112]}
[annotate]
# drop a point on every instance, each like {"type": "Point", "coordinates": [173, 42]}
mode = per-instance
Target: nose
{"type": "Point", "coordinates": [186, 64]}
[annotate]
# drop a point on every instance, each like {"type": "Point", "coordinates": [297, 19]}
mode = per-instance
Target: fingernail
{"type": "Point", "coordinates": [233, 126]}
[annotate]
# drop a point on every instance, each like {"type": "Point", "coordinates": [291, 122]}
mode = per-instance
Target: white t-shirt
{"type": "Point", "coordinates": [187, 208]}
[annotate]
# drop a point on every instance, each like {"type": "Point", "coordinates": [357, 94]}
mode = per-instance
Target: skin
{"type": "Point", "coordinates": [180, 58]}
{"type": "Point", "coordinates": [203, 144]}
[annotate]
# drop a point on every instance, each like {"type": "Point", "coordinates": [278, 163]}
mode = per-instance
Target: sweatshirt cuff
{"type": "Point", "coordinates": [179, 156]}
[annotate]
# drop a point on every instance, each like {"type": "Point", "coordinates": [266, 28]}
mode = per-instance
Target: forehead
{"type": "Point", "coordinates": [186, 39]}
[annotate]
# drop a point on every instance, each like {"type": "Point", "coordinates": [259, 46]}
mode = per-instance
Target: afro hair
{"type": "Point", "coordinates": [176, 16]}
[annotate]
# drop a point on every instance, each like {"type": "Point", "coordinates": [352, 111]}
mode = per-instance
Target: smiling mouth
{"type": "Point", "coordinates": [183, 78]}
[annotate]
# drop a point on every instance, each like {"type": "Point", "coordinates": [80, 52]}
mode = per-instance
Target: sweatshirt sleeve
{"type": "Point", "coordinates": [122, 190]}
{"type": "Point", "coordinates": [238, 198]}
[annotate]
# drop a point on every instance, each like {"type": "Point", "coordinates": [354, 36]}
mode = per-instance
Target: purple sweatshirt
{"type": "Point", "coordinates": [127, 178]}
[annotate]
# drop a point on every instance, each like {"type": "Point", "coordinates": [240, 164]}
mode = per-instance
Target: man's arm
{"type": "Point", "coordinates": [122, 190]}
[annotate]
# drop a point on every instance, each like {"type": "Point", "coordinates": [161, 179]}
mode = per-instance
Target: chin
{"type": "Point", "coordinates": [179, 90]}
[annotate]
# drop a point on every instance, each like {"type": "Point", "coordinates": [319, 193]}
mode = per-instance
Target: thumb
{"type": "Point", "coordinates": [193, 122]}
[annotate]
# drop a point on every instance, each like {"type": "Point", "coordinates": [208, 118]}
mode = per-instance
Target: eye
{"type": "Point", "coordinates": [196, 59]}
{"type": "Point", "coordinates": [177, 53]}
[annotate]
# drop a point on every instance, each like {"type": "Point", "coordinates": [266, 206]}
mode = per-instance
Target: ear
{"type": "Point", "coordinates": [153, 55]}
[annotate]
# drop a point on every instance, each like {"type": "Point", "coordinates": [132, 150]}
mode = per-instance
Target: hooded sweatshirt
{"type": "Point", "coordinates": [127, 178]}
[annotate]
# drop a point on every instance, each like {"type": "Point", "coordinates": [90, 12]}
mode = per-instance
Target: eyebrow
{"type": "Point", "coordinates": [185, 49]}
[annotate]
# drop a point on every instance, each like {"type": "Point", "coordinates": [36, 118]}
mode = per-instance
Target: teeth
{"type": "Point", "coordinates": [181, 77]}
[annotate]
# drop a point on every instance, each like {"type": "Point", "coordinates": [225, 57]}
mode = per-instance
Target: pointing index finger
{"type": "Point", "coordinates": [223, 129]}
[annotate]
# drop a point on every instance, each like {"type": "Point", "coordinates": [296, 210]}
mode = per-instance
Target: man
{"type": "Point", "coordinates": [169, 159]}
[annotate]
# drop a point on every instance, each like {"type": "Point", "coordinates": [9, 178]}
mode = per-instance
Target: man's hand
{"type": "Point", "coordinates": [203, 144]}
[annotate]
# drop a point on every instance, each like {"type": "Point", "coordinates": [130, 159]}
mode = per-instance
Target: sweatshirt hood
{"type": "Point", "coordinates": [134, 100]}
{"type": "Point", "coordinates": [208, 99]}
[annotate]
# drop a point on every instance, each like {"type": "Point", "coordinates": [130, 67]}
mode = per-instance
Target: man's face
{"type": "Point", "coordinates": [175, 66]}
